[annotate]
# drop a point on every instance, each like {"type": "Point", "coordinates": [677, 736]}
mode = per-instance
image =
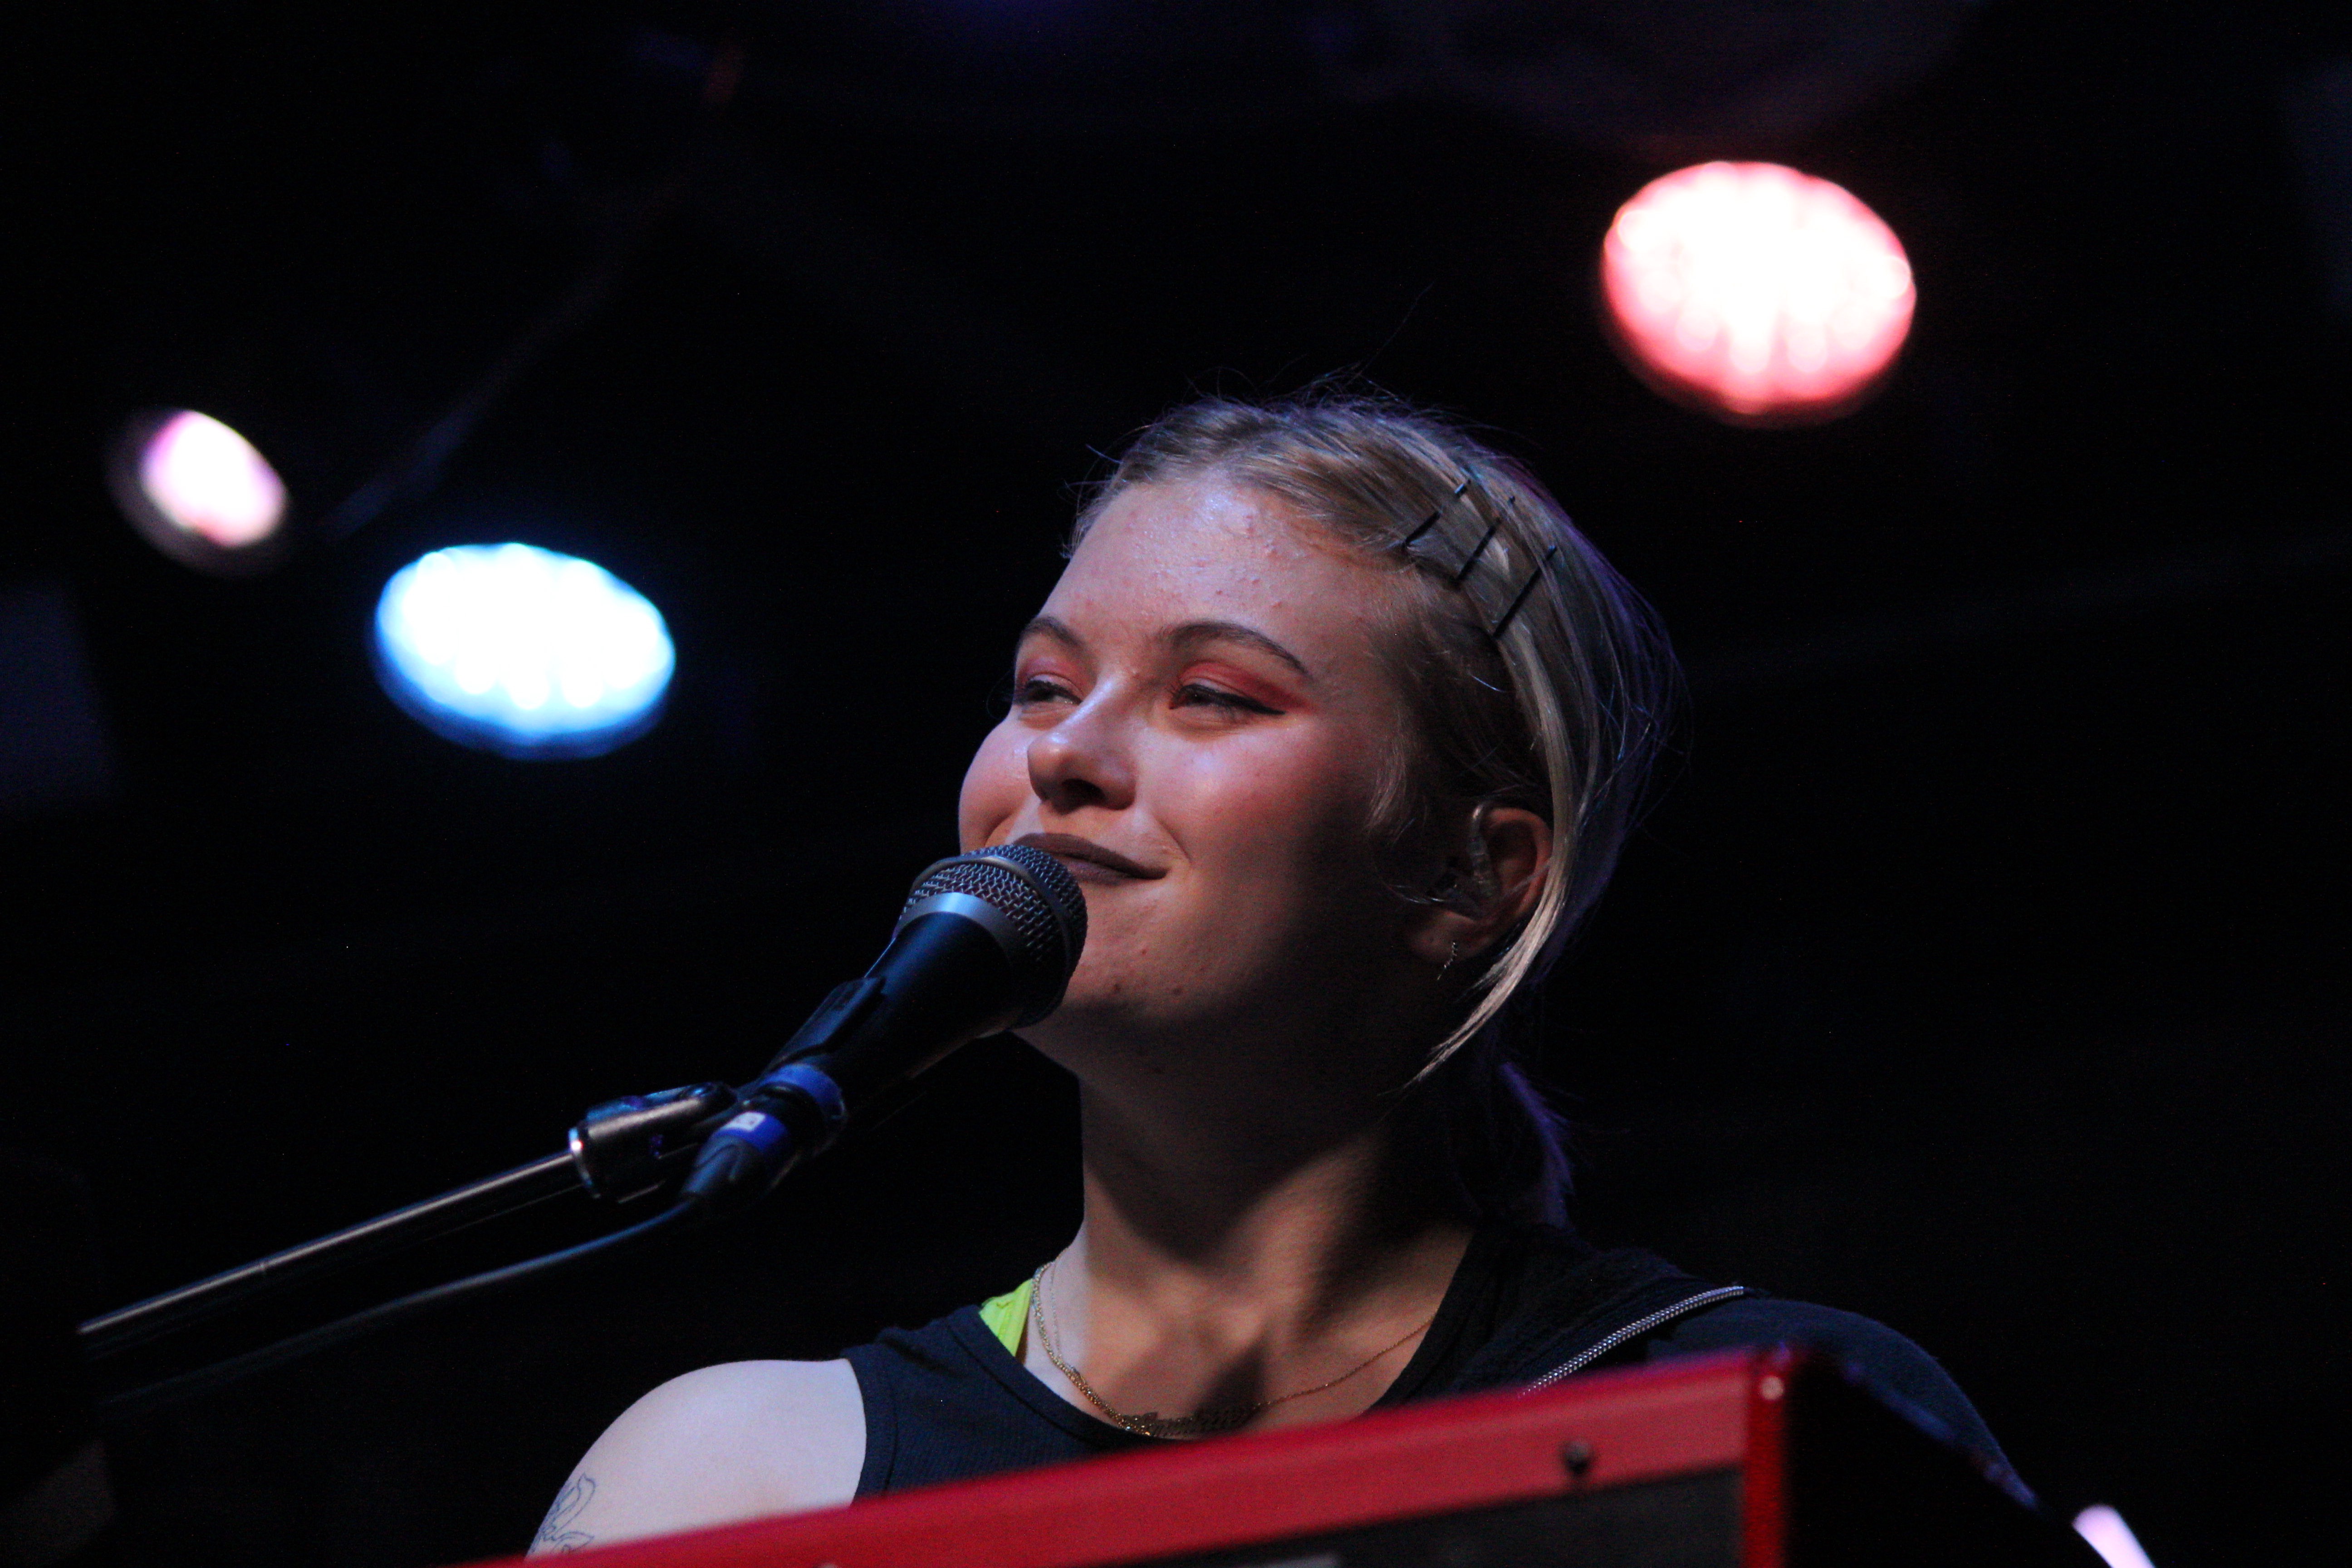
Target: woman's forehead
{"type": "Point", "coordinates": [1175, 552]}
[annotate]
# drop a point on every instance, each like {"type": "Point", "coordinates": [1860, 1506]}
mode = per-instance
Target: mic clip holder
{"type": "Point", "coordinates": [844, 1009]}
{"type": "Point", "coordinates": [789, 1112]}
{"type": "Point", "coordinates": [628, 1147]}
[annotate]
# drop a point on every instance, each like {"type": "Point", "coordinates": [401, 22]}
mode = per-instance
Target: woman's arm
{"type": "Point", "coordinates": [725, 1443]}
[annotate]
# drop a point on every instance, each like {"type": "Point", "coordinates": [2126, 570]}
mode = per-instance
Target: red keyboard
{"type": "Point", "coordinates": [1762, 1459]}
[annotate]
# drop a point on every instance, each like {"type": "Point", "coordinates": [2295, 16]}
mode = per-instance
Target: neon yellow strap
{"type": "Point", "coordinates": [1007, 1315]}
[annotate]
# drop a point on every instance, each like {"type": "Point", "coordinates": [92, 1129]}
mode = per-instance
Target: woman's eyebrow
{"type": "Point", "coordinates": [1049, 627]}
{"type": "Point", "coordinates": [1193, 633]}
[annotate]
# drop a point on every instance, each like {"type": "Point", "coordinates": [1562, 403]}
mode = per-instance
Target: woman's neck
{"type": "Point", "coordinates": [1222, 1264]}
{"type": "Point", "coordinates": [1213, 1190]}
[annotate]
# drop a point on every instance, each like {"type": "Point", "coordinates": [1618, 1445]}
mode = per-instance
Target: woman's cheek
{"type": "Point", "coordinates": [1261, 802]}
{"type": "Point", "coordinates": [994, 787]}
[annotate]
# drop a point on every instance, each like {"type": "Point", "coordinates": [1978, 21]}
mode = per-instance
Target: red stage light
{"type": "Point", "coordinates": [1764, 296]}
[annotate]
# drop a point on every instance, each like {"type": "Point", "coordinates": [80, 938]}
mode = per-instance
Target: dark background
{"type": "Point", "coordinates": [1982, 970]}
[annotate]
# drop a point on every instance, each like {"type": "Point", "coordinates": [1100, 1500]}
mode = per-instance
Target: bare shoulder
{"type": "Point", "coordinates": [731, 1442]}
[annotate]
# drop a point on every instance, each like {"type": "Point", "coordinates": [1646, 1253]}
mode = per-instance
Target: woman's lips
{"type": "Point", "coordinates": [1089, 861]}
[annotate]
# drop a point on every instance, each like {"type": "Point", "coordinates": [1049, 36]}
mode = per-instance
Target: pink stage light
{"type": "Point", "coordinates": [207, 480]}
{"type": "Point", "coordinates": [1764, 296]}
{"type": "Point", "coordinates": [2110, 1537]}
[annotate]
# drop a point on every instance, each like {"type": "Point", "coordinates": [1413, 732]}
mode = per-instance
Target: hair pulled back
{"type": "Point", "coordinates": [1562, 711]}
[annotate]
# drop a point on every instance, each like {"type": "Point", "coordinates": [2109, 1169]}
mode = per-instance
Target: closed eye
{"type": "Point", "coordinates": [1197, 693]}
{"type": "Point", "coordinates": [1040, 688]}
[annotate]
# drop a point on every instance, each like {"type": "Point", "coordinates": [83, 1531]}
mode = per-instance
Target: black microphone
{"type": "Point", "coordinates": [986, 942]}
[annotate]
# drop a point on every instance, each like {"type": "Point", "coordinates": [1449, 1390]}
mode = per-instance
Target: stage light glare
{"type": "Point", "coordinates": [206, 481]}
{"type": "Point", "coordinates": [521, 651]}
{"type": "Point", "coordinates": [1764, 296]}
{"type": "Point", "coordinates": [2110, 1537]}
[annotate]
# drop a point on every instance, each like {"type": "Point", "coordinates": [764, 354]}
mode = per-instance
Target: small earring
{"type": "Point", "coordinates": [1453, 951]}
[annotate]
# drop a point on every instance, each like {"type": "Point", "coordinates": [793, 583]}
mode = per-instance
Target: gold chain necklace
{"type": "Point", "coordinates": [1200, 1423]}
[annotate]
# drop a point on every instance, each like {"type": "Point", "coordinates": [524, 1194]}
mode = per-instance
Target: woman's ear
{"type": "Point", "coordinates": [1487, 887]}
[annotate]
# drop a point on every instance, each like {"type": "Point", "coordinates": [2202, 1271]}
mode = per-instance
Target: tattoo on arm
{"type": "Point", "coordinates": [555, 1532]}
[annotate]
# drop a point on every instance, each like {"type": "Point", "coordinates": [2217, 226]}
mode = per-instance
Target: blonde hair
{"type": "Point", "coordinates": [1536, 676]}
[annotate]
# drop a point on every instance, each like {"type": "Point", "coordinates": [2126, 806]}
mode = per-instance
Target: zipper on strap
{"type": "Point", "coordinates": [1633, 1330]}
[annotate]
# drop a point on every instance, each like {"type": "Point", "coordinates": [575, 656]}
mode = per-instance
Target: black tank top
{"type": "Point", "coordinates": [948, 1400]}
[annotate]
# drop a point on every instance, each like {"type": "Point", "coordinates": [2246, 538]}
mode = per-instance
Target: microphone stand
{"type": "Point", "coordinates": [620, 1149]}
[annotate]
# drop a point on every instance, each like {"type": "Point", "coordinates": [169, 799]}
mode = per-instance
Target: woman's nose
{"type": "Point", "coordinates": [1081, 762]}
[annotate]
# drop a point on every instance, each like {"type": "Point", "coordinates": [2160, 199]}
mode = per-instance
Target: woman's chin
{"type": "Point", "coordinates": [1090, 1032]}
{"type": "Point", "coordinates": [1080, 1023]}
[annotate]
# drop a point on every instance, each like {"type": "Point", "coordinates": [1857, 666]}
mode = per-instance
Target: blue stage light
{"type": "Point", "coordinates": [521, 651]}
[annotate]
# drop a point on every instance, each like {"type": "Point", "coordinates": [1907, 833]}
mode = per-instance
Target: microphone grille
{"type": "Point", "coordinates": [1038, 897]}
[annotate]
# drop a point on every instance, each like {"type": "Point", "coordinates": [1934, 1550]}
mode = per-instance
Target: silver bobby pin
{"type": "Point", "coordinates": [1460, 572]}
{"type": "Point", "coordinates": [1410, 539]}
{"type": "Point", "coordinates": [1503, 622]}
{"type": "Point", "coordinates": [1494, 527]}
